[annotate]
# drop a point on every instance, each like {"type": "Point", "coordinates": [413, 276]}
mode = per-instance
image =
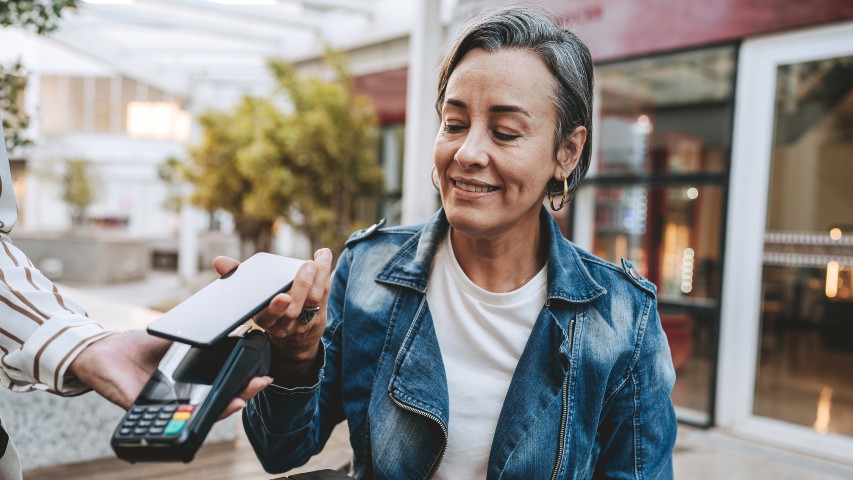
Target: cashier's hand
{"type": "Point", "coordinates": [119, 365]}
{"type": "Point", "coordinates": [296, 345]}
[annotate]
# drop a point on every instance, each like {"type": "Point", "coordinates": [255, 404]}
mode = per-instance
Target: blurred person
{"type": "Point", "coordinates": [481, 344]}
{"type": "Point", "coordinates": [47, 341]}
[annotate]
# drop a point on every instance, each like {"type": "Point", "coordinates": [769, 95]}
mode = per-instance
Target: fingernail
{"type": "Point", "coordinates": [310, 268]}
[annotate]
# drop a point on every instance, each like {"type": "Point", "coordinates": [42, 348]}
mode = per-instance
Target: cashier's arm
{"type": "Point", "coordinates": [118, 366]}
{"type": "Point", "coordinates": [42, 330]}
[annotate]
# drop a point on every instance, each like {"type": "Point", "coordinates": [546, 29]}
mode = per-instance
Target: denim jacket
{"type": "Point", "coordinates": [590, 396]}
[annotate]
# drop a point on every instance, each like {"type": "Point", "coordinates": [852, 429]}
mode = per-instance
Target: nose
{"type": "Point", "coordinates": [473, 152]}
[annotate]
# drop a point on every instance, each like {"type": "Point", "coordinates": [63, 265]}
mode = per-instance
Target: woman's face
{"type": "Point", "coordinates": [494, 152]}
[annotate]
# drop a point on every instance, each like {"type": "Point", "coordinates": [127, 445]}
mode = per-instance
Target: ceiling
{"type": "Point", "coordinates": [175, 45]}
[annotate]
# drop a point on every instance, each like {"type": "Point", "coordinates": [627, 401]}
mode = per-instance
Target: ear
{"type": "Point", "coordinates": [570, 153]}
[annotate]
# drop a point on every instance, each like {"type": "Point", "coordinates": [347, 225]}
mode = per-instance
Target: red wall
{"type": "Point", "coordinates": [625, 28]}
{"type": "Point", "coordinates": [388, 91]}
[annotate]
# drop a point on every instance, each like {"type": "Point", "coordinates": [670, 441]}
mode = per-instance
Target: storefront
{"type": "Point", "coordinates": [786, 345]}
{"type": "Point", "coordinates": [657, 195]}
{"type": "Point", "coordinates": [724, 171]}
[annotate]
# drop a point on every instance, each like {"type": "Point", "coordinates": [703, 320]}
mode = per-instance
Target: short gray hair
{"type": "Point", "coordinates": [538, 31]}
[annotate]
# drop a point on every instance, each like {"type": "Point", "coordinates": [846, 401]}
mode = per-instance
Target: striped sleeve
{"type": "Point", "coordinates": [41, 331]}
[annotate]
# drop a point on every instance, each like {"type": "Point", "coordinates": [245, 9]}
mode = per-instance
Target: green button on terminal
{"type": "Point", "coordinates": [174, 427]}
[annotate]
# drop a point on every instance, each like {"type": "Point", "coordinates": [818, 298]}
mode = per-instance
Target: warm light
{"type": "Point", "coordinates": [835, 234]}
{"type": "Point", "coordinates": [687, 270]}
{"type": "Point", "coordinates": [159, 120]}
{"type": "Point", "coordinates": [644, 124]}
{"type": "Point", "coordinates": [832, 279]}
{"type": "Point", "coordinates": [692, 193]}
{"type": "Point", "coordinates": [824, 403]}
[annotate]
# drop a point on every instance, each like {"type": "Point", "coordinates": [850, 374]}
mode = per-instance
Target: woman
{"type": "Point", "coordinates": [482, 343]}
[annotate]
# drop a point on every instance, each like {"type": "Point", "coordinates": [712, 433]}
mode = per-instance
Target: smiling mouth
{"type": "Point", "coordinates": [473, 188]}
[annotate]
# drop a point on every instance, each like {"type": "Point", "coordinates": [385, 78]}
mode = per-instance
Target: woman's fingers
{"type": "Point", "coordinates": [320, 290]}
{"type": "Point", "coordinates": [274, 312]}
{"type": "Point", "coordinates": [289, 316]}
{"type": "Point", "coordinates": [223, 265]}
{"type": "Point", "coordinates": [300, 291]}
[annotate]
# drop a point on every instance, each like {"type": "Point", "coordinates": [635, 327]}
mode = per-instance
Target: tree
{"type": "Point", "coordinates": [78, 188]}
{"type": "Point", "coordinates": [13, 82]}
{"type": "Point", "coordinates": [335, 140]}
{"type": "Point", "coordinates": [219, 181]}
{"type": "Point", "coordinates": [39, 16]}
{"type": "Point", "coordinates": [171, 173]}
{"type": "Point", "coordinates": [307, 154]}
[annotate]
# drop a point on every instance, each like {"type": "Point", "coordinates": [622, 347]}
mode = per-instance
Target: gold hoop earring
{"type": "Point", "coordinates": [434, 173]}
{"type": "Point", "coordinates": [564, 199]}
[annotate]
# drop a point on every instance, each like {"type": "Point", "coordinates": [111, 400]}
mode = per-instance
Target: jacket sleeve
{"type": "Point", "coordinates": [286, 426]}
{"type": "Point", "coordinates": [41, 331]}
{"type": "Point", "coordinates": [637, 435]}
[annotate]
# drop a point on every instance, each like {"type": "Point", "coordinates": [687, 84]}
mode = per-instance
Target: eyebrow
{"type": "Point", "coordinates": [494, 109]}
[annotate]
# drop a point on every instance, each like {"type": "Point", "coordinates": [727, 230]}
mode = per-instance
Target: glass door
{"type": "Point", "coordinates": [788, 291]}
{"type": "Point", "coordinates": [655, 195]}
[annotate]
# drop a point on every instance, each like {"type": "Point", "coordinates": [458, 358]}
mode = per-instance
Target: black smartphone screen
{"type": "Point", "coordinates": [214, 311]}
{"type": "Point", "coordinates": [186, 374]}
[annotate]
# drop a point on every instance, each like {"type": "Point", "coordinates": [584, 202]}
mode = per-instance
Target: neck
{"type": "Point", "coordinates": [500, 264]}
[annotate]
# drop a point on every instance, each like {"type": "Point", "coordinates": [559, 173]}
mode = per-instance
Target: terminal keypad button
{"type": "Point", "coordinates": [174, 427]}
{"type": "Point", "coordinates": [142, 420]}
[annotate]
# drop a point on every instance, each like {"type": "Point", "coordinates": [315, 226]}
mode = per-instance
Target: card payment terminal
{"type": "Point", "coordinates": [186, 395]}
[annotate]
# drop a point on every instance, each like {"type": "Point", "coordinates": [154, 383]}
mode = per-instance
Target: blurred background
{"type": "Point", "coordinates": [148, 136]}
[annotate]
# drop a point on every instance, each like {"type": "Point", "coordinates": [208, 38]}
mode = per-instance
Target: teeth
{"type": "Point", "coordinates": [473, 188]}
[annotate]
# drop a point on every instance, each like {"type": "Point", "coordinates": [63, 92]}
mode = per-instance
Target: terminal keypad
{"type": "Point", "coordinates": [156, 420]}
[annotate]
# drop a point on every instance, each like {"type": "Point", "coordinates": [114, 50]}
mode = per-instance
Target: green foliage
{"type": "Point", "coordinates": [172, 172]}
{"type": "Point", "coordinates": [40, 16]}
{"type": "Point", "coordinates": [307, 154]}
{"type": "Point", "coordinates": [13, 82]}
{"type": "Point", "coordinates": [78, 188]}
{"type": "Point", "coordinates": [219, 184]}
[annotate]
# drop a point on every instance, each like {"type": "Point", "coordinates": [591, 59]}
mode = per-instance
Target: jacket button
{"type": "Point", "coordinates": [633, 273]}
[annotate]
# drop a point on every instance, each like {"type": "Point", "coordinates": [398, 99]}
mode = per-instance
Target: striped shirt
{"type": "Point", "coordinates": [41, 331]}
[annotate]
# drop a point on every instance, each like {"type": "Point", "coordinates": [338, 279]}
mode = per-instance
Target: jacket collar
{"type": "Point", "coordinates": [568, 278]}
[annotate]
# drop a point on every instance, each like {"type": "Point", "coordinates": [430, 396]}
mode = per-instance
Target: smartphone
{"type": "Point", "coordinates": [186, 395]}
{"type": "Point", "coordinates": [214, 311]}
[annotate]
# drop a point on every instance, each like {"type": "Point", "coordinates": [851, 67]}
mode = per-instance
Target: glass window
{"type": "Point", "coordinates": [155, 95]}
{"type": "Point", "coordinates": [670, 234]}
{"type": "Point", "coordinates": [76, 104]}
{"type": "Point", "coordinates": [806, 341]}
{"type": "Point", "coordinates": [52, 108]}
{"type": "Point", "coordinates": [128, 94]}
{"type": "Point", "coordinates": [656, 196]}
{"type": "Point", "coordinates": [666, 114]}
{"type": "Point", "coordinates": [102, 106]}
{"type": "Point", "coordinates": [391, 153]}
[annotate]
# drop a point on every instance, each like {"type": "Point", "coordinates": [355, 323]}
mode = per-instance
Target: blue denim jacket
{"type": "Point", "coordinates": [590, 396]}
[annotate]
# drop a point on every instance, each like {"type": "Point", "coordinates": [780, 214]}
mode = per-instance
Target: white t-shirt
{"type": "Point", "coordinates": [481, 335]}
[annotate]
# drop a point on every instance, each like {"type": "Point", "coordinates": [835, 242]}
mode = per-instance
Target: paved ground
{"type": "Point", "coordinates": [713, 455]}
{"type": "Point", "coordinates": [700, 454]}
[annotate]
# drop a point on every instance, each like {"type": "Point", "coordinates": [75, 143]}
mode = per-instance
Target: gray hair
{"type": "Point", "coordinates": [537, 30]}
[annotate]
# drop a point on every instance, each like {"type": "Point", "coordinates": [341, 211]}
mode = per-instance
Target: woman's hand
{"type": "Point", "coordinates": [119, 365]}
{"type": "Point", "coordinates": [296, 345]}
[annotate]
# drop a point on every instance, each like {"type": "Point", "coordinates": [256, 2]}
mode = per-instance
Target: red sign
{"type": "Point", "coordinates": [626, 28]}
